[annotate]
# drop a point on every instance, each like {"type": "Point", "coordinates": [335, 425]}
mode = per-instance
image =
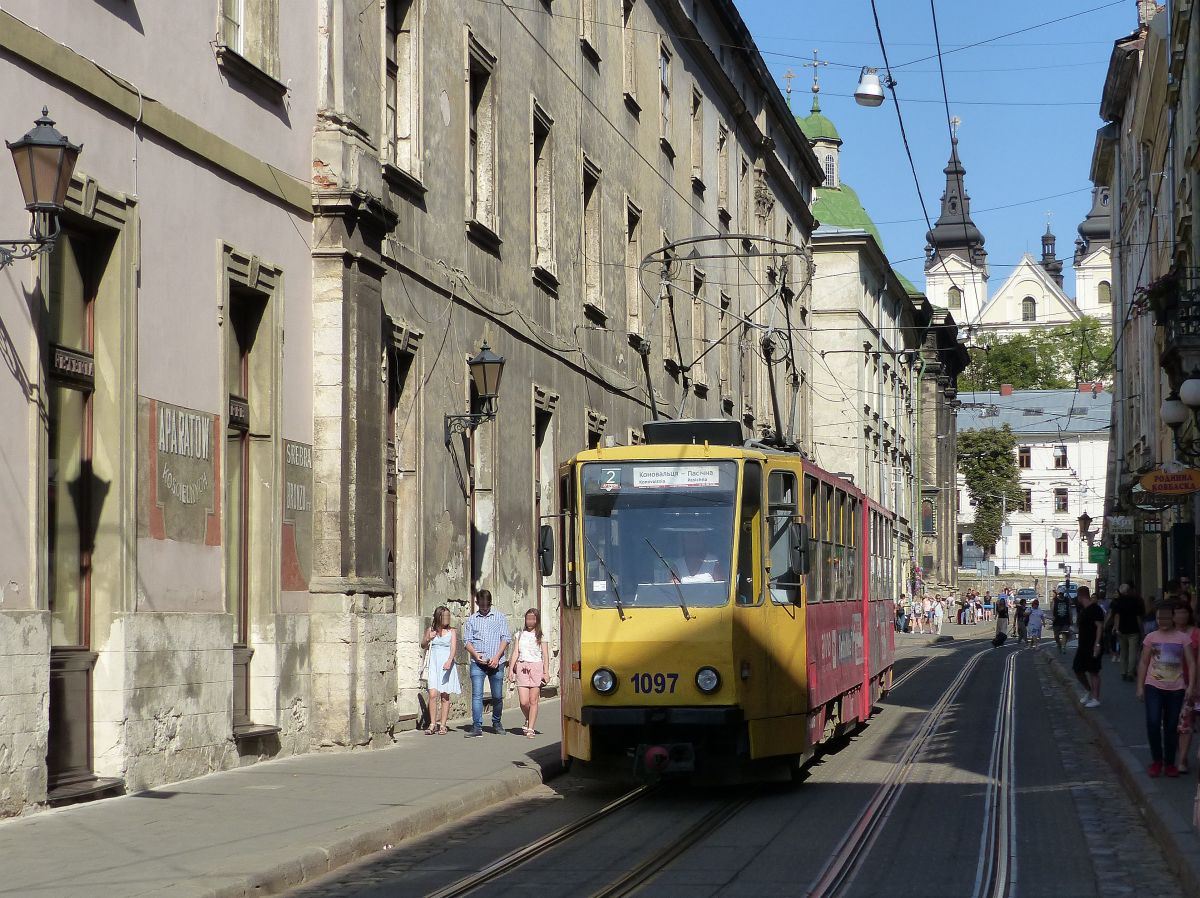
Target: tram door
{"type": "Point", "coordinates": [750, 627]}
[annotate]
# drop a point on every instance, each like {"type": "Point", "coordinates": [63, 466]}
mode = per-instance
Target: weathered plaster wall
{"type": "Point", "coordinates": [24, 666]}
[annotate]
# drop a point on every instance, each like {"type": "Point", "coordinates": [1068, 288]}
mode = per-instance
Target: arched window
{"type": "Point", "coordinates": [1029, 309]}
{"type": "Point", "coordinates": [1104, 292]}
{"type": "Point", "coordinates": [830, 171]}
{"type": "Point", "coordinates": [954, 298]}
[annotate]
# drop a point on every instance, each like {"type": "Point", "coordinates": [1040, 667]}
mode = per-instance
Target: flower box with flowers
{"type": "Point", "coordinates": [1159, 296]}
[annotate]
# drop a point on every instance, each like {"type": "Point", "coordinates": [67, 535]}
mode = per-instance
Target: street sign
{"type": "Point", "coordinates": [1098, 554]}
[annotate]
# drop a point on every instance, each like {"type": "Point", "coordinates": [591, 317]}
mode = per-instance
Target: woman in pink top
{"type": "Point", "coordinates": [528, 668]}
{"type": "Point", "coordinates": [1163, 675]}
{"type": "Point", "coordinates": [1185, 623]}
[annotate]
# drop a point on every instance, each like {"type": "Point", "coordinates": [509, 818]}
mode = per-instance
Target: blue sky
{"type": "Point", "coordinates": [1029, 106]}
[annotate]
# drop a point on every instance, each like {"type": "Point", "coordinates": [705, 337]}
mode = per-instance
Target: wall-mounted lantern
{"type": "Point", "coordinates": [45, 161]}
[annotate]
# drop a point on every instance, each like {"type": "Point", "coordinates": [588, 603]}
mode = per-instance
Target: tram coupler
{"type": "Point", "coordinates": [664, 759]}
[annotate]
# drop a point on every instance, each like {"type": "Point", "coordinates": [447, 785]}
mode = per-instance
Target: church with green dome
{"type": "Point", "coordinates": [835, 204]}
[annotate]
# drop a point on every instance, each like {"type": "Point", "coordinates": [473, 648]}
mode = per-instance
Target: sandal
{"type": "Point", "coordinates": [442, 731]}
{"type": "Point", "coordinates": [432, 731]}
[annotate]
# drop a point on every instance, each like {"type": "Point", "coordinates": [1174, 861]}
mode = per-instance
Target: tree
{"type": "Point", "coordinates": [987, 459]}
{"type": "Point", "coordinates": [1045, 358]}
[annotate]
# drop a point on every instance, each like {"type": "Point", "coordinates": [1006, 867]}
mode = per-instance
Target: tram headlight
{"type": "Point", "coordinates": [604, 681]}
{"type": "Point", "coordinates": [708, 680]}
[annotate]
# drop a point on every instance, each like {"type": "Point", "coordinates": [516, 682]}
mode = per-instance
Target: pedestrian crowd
{"type": "Point", "coordinates": [487, 640]}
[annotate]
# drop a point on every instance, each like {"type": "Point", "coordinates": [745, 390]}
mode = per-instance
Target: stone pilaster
{"type": "Point", "coordinates": [24, 715]}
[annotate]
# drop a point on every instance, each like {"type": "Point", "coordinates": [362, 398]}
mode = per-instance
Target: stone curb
{"type": "Point", "coordinates": [311, 862]}
{"type": "Point", "coordinates": [1174, 834]}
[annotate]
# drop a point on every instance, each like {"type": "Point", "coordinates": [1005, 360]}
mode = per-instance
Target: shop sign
{"type": "Point", "coordinates": [297, 516]}
{"type": "Point", "coordinates": [1098, 554]}
{"type": "Point", "coordinates": [1119, 525]}
{"type": "Point", "coordinates": [1172, 483]}
{"type": "Point", "coordinates": [177, 473]}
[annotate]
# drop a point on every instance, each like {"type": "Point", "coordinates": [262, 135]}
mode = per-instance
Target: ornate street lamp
{"type": "Point", "coordinates": [1085, 528]}
{"type": "Point", "coordinates": [486, 370]}
{"type": "Point", "coordinates": [45, 161]}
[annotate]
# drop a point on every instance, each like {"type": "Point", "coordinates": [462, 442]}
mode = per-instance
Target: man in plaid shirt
{"type": "Point", "coordinates": [486, 638]}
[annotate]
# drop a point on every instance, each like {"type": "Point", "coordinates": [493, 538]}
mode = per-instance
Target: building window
{"type": "Point", "coordinates": [1061, 546]}
{"type": "Point", "coordinates": [1104, 293]}
{"type": "Point", "coordinates": [250, 28]}
{"type": "Point", "coordinates": [1027, 501]}
{"type": "Point", "coordinates": [697, 140]}
{"type": "Point", "coordinates": [726, 351]}
{"type": "Point", "coordinates": [664, 94]}
{"type": "Point", "coordinates": [587, 28]}
{"type": "Point", "coordinates": [1060, 456]}
{"type": "Point", "coordinates": [1024, 457]}
{"type": "Point", "coordinates": [958, 500]}
{"type": "Point", "coordinates": [723, 171]}
{"type": "Point", "coordinates": [1029, 309]}
{"type": "Point", "coordinates": [1060, 499]}
{"type": "Point", "coordinates": [542, 150]}
{"type": "Point", "coordinates": [481, 137]}
{"type": "Point", "coordinates": [592, 294]}
{"type": "Point", "coordinates": [830, 171]}
{"type": "Point", "coordinates": [928, 518]}
{"type": "Point", "coordinates": [629, 51]}
{"type": "Point", "coordinates": [1025, 543]}
{"type": "Point", "coordinates": [699, 325]}
{"type": "Point", "coordinates": [633, 258]}
{"type": "Point", "coordinates": [401, 85]}
{"type": "Point", "coordinates": [954, 298]}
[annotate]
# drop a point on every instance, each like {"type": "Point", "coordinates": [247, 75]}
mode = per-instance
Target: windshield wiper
{"type": "Point", "coordinates": [609, 575]}
{"type": "Point", "coordinates": [674, 579]}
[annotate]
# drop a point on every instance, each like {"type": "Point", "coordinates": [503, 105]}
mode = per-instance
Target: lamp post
{"type": "Point", "coordinates": [486, 369]}
{"type": "Point", "coordinates": [45, 161]}
{"type": "Point", "coordinates": [869, 91]}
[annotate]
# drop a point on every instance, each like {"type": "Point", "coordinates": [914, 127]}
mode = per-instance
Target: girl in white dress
{"type": "Point", "coordinates": [528, 668]}
{"type": "Point", "coordinates": [440, 671]}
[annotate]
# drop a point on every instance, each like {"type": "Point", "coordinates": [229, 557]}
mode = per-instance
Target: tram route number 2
{"type": "Point", "coordinates": [647, 683]}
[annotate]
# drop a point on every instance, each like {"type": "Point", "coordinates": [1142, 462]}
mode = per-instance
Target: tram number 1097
{"type": "Point", "coordinates": [647, 683]}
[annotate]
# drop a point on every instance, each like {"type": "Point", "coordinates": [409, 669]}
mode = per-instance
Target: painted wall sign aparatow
{"type": "Point", "coordinates": [1172, 483]}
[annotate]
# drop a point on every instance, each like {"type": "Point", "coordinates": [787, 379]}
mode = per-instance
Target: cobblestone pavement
{"type": "Point", "coordinates": [1127, 861]}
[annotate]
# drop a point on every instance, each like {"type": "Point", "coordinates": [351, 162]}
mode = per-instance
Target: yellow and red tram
{"type": "Point", "coordinates": [723, 602]}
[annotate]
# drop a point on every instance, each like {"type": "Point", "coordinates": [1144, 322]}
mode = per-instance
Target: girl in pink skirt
{"type": "Point", "coordinates": [528, 667]}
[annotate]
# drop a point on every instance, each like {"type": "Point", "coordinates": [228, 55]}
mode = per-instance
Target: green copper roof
{"type": "Point", "coordinates": [840, 207]}
{"type": "Point", "coordinates": [907, 284]}
{"type": "Point", "coordinates": [816, 126]}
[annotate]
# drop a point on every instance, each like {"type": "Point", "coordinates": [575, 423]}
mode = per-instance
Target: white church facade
{"type": "Point", "coordinates": [1032, 296]}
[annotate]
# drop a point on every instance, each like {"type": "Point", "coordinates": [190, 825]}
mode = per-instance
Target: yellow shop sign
{"type": "Point", "coordinates": [1172, 483]}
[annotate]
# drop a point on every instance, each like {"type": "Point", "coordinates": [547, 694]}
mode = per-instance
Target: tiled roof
{"type": "Point", "coordinates": [1037, 412]}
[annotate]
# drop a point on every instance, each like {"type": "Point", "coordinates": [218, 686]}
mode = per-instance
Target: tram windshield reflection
{"type": "Point", "coordinates": [656, 529]}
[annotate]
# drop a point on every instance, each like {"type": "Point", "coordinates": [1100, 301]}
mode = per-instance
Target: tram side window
{"type": "Point", "coordinates": [816, 565]}
{"type": "Point", "coordinates": [781, 511]}
{"type": "Point", "coordinates": [856, 584]}
{"type": "Point", "coordinates": [749, 530]}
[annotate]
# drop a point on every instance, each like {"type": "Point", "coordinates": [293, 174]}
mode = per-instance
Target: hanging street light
{"type": "Point", "coordinates": [869, 91]}
{"type": "Point", "coordinates": [45, 161]}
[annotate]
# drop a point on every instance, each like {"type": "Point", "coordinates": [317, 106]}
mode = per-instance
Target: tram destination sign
{"type": "Point", "coordinates": [676, 476]}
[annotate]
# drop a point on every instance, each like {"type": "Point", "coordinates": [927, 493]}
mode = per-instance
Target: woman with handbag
{"type": "Point", "coordinates": [440, 643]}
{"type": "Point", "coordinates": [528, 668]}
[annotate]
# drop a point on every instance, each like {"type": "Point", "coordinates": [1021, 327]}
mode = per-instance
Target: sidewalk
{"type": "Point", "coordinates": [1119, 725]}
{"type": "Point", "coordinates": [265, 828]}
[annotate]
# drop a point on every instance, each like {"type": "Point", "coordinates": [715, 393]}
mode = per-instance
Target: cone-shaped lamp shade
{"type": "Point", "coordinates": [45, 161]}
{"type": "Point", "coordinates": [486, 369]}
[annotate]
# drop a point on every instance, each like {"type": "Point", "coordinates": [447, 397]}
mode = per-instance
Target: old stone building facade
{"type": "Point", "coordinates": [291, 226]}
{"type": "Point", "coordinates": [158, 396]}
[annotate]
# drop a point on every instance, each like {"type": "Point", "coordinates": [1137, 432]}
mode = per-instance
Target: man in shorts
{"type": "Point", "coordinates": [1088, 653]}
{"type": "Point", "coordinates": [1061, 615]}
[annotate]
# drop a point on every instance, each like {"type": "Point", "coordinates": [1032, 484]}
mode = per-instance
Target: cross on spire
{"type": "Point", "coordinates": [787, 77]}
{"type": "Point", "coordinates": [955, 121]}
{"type": "Point", "coordinates": [815, 66]}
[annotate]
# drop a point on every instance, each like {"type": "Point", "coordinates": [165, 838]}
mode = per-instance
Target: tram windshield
{"type": "Point", "coordinates": [658, 533]}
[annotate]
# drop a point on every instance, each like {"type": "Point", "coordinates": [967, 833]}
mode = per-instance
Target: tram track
{"type": "Point", "coordinates": [996, 870]}
{"type": "Point", "coordinates": [632, 881]}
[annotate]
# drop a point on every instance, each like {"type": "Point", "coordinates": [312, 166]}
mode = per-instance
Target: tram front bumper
{"type": "Point", "coordinates": [655, 717]}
